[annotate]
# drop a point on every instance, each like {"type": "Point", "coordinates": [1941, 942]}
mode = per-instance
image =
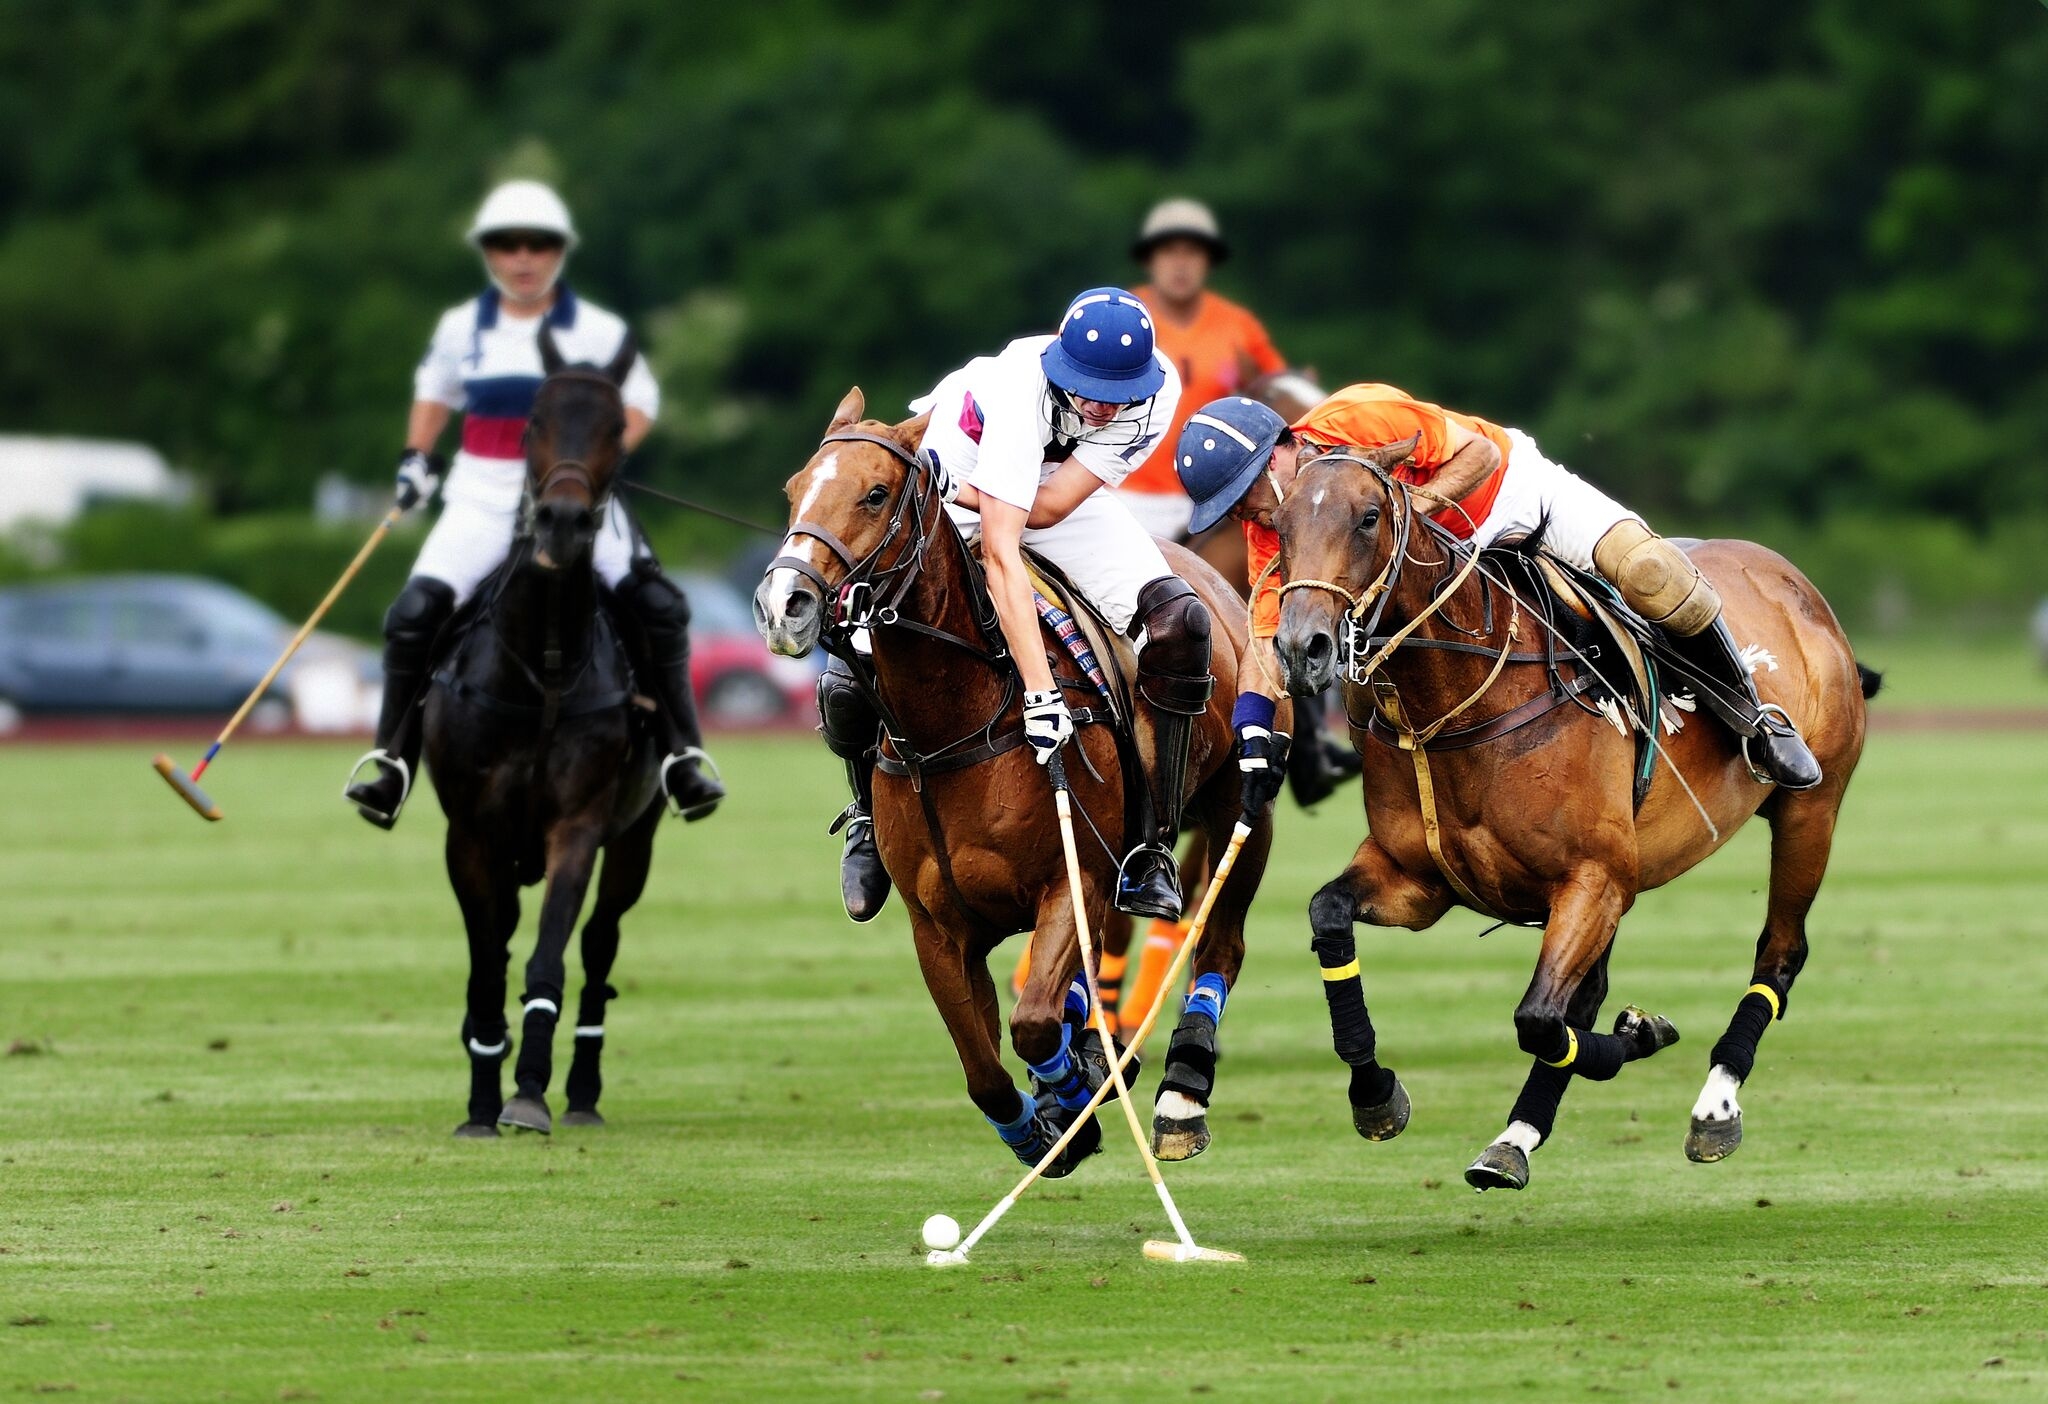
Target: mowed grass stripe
{"type": "Point", "coordinates": [295, 1218]}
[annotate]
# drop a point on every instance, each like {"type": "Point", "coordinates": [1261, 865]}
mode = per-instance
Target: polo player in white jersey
{"type": "Point", "coordinates": [484, 360]}
{"type": "Point", "coordinates": [1024, 444]}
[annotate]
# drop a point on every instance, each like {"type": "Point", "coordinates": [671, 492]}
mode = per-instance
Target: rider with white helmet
{"type": "Point", "coordinates": [1024, 443]}
{"type": "Point", "coordinates": [484, 360]}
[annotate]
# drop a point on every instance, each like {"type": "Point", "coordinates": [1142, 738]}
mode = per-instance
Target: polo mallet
{"type": "Point", "coordinates": [1186, 1250]}
{"type": "Point", "coordinates": [187, 786]}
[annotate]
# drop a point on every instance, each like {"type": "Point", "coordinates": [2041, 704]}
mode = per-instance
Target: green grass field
{"type": "Point", "coordinates": [226, 1169]}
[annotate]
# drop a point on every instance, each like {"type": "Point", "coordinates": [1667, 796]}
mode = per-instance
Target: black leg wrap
{"type": "Point", "coordinates": [486, 1093]}
{"type": "Point", "coordinates": [1737, 1049]}
{"type": "Point", "coordinates": [1351, 1029]}
{"type": "Point", "coordinates": [1541, 1092]}
{"type": "Point", "coordinates": [1597, 1056]}
{"type": "Point", "coordinates": [536, 1065]}
{"type": "Point", "coordinates": [1191, 1059]}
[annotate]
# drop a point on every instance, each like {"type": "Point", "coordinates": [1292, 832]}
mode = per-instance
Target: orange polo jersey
{"type": "Point", "coordinates": [1219, 353]}
{"type": "Point", "coordinates": [1261, 545]}
{"type": "Point", "coordinates": [1373, 416]}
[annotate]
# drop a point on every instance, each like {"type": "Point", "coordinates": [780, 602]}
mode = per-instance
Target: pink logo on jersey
{"type": "Point", "coordinates": [971, 420]}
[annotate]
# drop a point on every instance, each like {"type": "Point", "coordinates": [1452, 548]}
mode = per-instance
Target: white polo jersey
{"type": "Point", "coordinates": [992, 426]}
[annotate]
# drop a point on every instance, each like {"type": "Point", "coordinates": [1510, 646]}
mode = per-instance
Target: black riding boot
{"type": "Point", "coordinates": [662, 611]}
{"type": "Point", "coordinates": [851, 731]}
{"type": "Point", "coordinates": [410, 628]}
{"type": "Point", "coordinates": [1319, 762]}
{"type": "Point", "coordinates": [1770, 741]}
{"type": "Point", "coordinates": [1174, 679]}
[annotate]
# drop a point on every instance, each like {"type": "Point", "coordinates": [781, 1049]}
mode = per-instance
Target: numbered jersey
{"type": "Point", "coordinates": [992, 426]}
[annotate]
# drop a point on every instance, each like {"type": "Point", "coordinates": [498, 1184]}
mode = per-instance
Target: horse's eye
{"type": "Point", "coordinates": [1370, 520]}
{"type": "Point", "coordinates": [877, 495]}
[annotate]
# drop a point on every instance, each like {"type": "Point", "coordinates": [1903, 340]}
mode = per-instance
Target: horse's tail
{"type": "Point", "coordinates": [1872, 679]}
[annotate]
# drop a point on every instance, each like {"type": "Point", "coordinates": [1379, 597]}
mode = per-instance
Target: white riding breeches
{"type": "Point", "coordinates": [1101, 548]}
{"type": "Point", "coordinates": [479, 516]}
{"type": "Point", "coordinates": [1536, 489]}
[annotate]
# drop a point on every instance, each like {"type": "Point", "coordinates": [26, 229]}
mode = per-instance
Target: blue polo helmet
{"type": "Point", "coordinates": [1104, 349]}
{"type": "Point", "coordinates": [1221, 453]}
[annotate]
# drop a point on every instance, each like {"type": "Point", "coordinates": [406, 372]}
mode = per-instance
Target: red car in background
{"type": "Point", "coordinates": [739, 683]}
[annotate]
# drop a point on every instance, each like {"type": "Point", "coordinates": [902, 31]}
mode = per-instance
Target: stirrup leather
{"type": "Point", "coordinates": [703, 758]}
{"type": "Point", "coordinates": [850, 819]}
{"type": "Point", "coordinates": [392, 763]}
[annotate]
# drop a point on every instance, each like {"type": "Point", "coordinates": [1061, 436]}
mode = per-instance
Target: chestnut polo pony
{"type": "Point", "coordinates": [963, 814]}
{"type": "Point", "coordinates": [1527, 810]}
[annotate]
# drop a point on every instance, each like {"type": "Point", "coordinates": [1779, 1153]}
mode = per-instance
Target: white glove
{"type": "Point", "coordinates": [418, 475]}
{"type": "Point", "coordinates": [1048, 725]}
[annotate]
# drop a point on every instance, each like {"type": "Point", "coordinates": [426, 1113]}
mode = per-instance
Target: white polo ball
{"type": "Point", "coordinates": [941, 1232]}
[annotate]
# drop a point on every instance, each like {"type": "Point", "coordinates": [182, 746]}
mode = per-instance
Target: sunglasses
{"type": "Point", "coordinates": [529, 243]}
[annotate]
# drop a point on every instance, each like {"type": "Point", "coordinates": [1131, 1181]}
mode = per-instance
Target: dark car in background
{"type": "Point", "coordinates": [167, 644]}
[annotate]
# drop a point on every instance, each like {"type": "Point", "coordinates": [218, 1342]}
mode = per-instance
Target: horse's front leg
{"type": "Point", "coordinates": [1377, 890]}
{"type": "Point", "coordinates": [1554, 1021]}
{"type": "Point", "coordinates": [489, 898]}
{"type": "Point", "coordinates": [1051, 1030]}
{"type": "Point", "coordinates": [572, 855]}
{"type": "Point", "coordinates": [620, 882]}
{"type": "Point", "coordinates": [1180, 1113]}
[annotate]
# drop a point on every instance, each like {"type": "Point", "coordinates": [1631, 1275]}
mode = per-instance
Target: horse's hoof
{"type": "Point", "coordinates": [582, 1116]}
{"type": "Point", "coordinates": [1645, 1032]}
{"type": "Point", "coordinates": [1709, 1141]}
{"type": "Point", "coordinates": [476, 1131]}
{"type": "Point", "coordinates": [527, 1114]}
{"type": "Point", "coordinates": [1385, 1121]}
{"type": "Point", "coordinates": [1087, 1141]}
{"type": "Point", "coordinates": [1180, 1127]}
{"type": "Point", "coordinates": [1500, 1166]}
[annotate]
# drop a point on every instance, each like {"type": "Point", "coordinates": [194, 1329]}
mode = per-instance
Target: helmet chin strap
{"type": "Point", "coordinates": [1273, 479]}
{"type": "Point", "coordinates": [507, 294]}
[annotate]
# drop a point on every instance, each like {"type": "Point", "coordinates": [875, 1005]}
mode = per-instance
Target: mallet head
{"type": "Point", "coordinates": [186, 787]}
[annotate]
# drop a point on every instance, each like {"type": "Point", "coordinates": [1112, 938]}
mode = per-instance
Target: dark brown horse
{"type": "Point", "coordinates": [541, 760]}
{"type": "Point", "coordinates": [1530, 815]}
{"type": "Point", "coordinates": [963, 815]}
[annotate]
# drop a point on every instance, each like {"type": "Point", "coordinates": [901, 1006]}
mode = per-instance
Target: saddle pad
{"type": "Point", "coordinates": [1588, 604]}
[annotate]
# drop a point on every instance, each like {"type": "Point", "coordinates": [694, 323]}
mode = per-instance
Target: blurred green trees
{"type": "Point", "coordinates": [1742, 263]}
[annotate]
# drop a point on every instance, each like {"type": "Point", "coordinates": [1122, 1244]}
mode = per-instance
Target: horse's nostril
{"type": "Point", "coordinates": [1320, 647]}
{"type": "Point", "coordinates": [586, 520]}
{"type": "Point", "coordinates": [800, 604]}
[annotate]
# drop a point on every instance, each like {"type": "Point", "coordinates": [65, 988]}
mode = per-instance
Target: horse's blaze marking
{"type": "Point", "coordinates": [784, 581]}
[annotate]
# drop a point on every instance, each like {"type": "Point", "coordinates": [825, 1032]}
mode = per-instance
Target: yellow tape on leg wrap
{"type": "Point", "coordinates": [1571, 1049]}
{"type": "Point", "coordinates": [1341, 972]}
{"type": "Point", "coordinates": [1777, 1005]}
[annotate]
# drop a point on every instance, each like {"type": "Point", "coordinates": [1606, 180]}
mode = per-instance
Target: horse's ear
{"type": "Point", "coordinates": [849, 412]}
{"type": "Point", "coordinates": [910, 433]}
{"type": "Point", "coordinates": [550, 354]}
{"type": "Point", "coordinates": [1393, 453]}
{"type": "Point", "coordinates": [622, 364]}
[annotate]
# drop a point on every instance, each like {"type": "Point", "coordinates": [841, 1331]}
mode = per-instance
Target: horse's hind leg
{"type": "Point", "coordinates": [572, 854]}
{"type": "Point", "coordinates": [1505, 1163]}
{"type": "Point", "coordinates": [1180, 1113]}
{"type": "Point", "coordinates": [1802, 832]}
{"type": "Point", "coordinates": [489, 898]}
{"type": "Point", "coordinates": [620, 882]}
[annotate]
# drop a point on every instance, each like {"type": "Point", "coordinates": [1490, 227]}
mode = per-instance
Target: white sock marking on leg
{"type": "Point", "coordinates": [1717, 1099]}
{"type": "Point", "coordinates": [1178, 1106]}
{"type": "Point", "coordinates": [1521, 1135]}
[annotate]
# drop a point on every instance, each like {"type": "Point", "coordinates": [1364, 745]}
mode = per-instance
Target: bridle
{"type": "Point", "coordinates": [564, 470]}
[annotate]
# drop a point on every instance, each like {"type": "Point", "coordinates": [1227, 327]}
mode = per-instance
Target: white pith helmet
{"type": "Point", "coordinates": [523, 204]}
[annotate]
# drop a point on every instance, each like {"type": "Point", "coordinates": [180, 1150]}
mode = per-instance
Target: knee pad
{"type": "Point", "coordinates": [1658, 581]}
{"type": "Point", "coordinates": [656, 601]}
{"type": "Point", "coordinates": [1173, 664]}
{"type": "Point", "coordinates": [418, 613]}
{"type": "Point", "coordinates": [849, 722]}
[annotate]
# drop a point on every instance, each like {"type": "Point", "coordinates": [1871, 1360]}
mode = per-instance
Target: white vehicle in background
{"type": "Point", "coordinates": [2041, 633]}
{"type": "Point", "coordinates": [50, 480]}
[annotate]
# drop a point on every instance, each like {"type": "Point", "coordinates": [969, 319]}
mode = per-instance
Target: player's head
{"type": "Point", "coordinates": [1178, 244]}
{"type": "Point", "coordinates": [1223, 450]}
{"type": "Point", "coordinates": [524, 233]}
{"type": "Point", "coordinates": [1100, 364]}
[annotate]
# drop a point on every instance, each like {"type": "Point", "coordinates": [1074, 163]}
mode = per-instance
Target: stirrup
{"type": "Point", "coordinates": [703, 758]}
{"type": "Point", "coordinates": [1764, 709]}
{"type": "Point", "coordinates": [397, 766]}
{"type": "Point", "coordinates": [1124, 889]}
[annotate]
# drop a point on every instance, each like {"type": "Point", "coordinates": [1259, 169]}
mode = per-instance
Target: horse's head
{"type": "Point", "coordinates": [858, 510]}
{"type": "Point", "coordinates": [1341, 534]}
{"type": "Point", "coordinates": [574, 442]}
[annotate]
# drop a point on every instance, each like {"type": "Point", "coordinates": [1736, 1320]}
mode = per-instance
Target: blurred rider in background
{"type": "Point", "coordinates": [484, 360]}
{"type": "Point", "coordinates": [1217, 346]}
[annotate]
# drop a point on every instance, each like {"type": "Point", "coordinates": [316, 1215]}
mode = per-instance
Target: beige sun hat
{"type": "Point", "coordinates": [1180, 218]}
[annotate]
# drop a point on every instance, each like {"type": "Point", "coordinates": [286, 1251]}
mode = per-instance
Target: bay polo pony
{"type": "Point", "coordinates": [964, 816]}
{"type": "Point", "coordinates": [1493, 781]}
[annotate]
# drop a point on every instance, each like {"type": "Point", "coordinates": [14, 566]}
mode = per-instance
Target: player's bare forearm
{"type": "Point", "coordinates": [424, 426]}
{"type": "Point", "coordinates": [1258, 670]}
{"type": "Point", "coordinates": [1069, 486]}
{"type": "Point", "coordinates": [1463, 471]}
{"type": "Point", "coordinates": [638, 427]}
{"type": "Point", "coordinates": [1002, 556]}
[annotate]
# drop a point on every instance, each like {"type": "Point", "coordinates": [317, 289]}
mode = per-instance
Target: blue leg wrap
{"type": "Point", "coordinates": [1077, 999]}
{"type": "Point", "coordinates": [1208, 997]}
{"type": "Point", "coordinates": [1019, 1131]}
{"type": "Point", "coordinates": [1063, 1075]}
